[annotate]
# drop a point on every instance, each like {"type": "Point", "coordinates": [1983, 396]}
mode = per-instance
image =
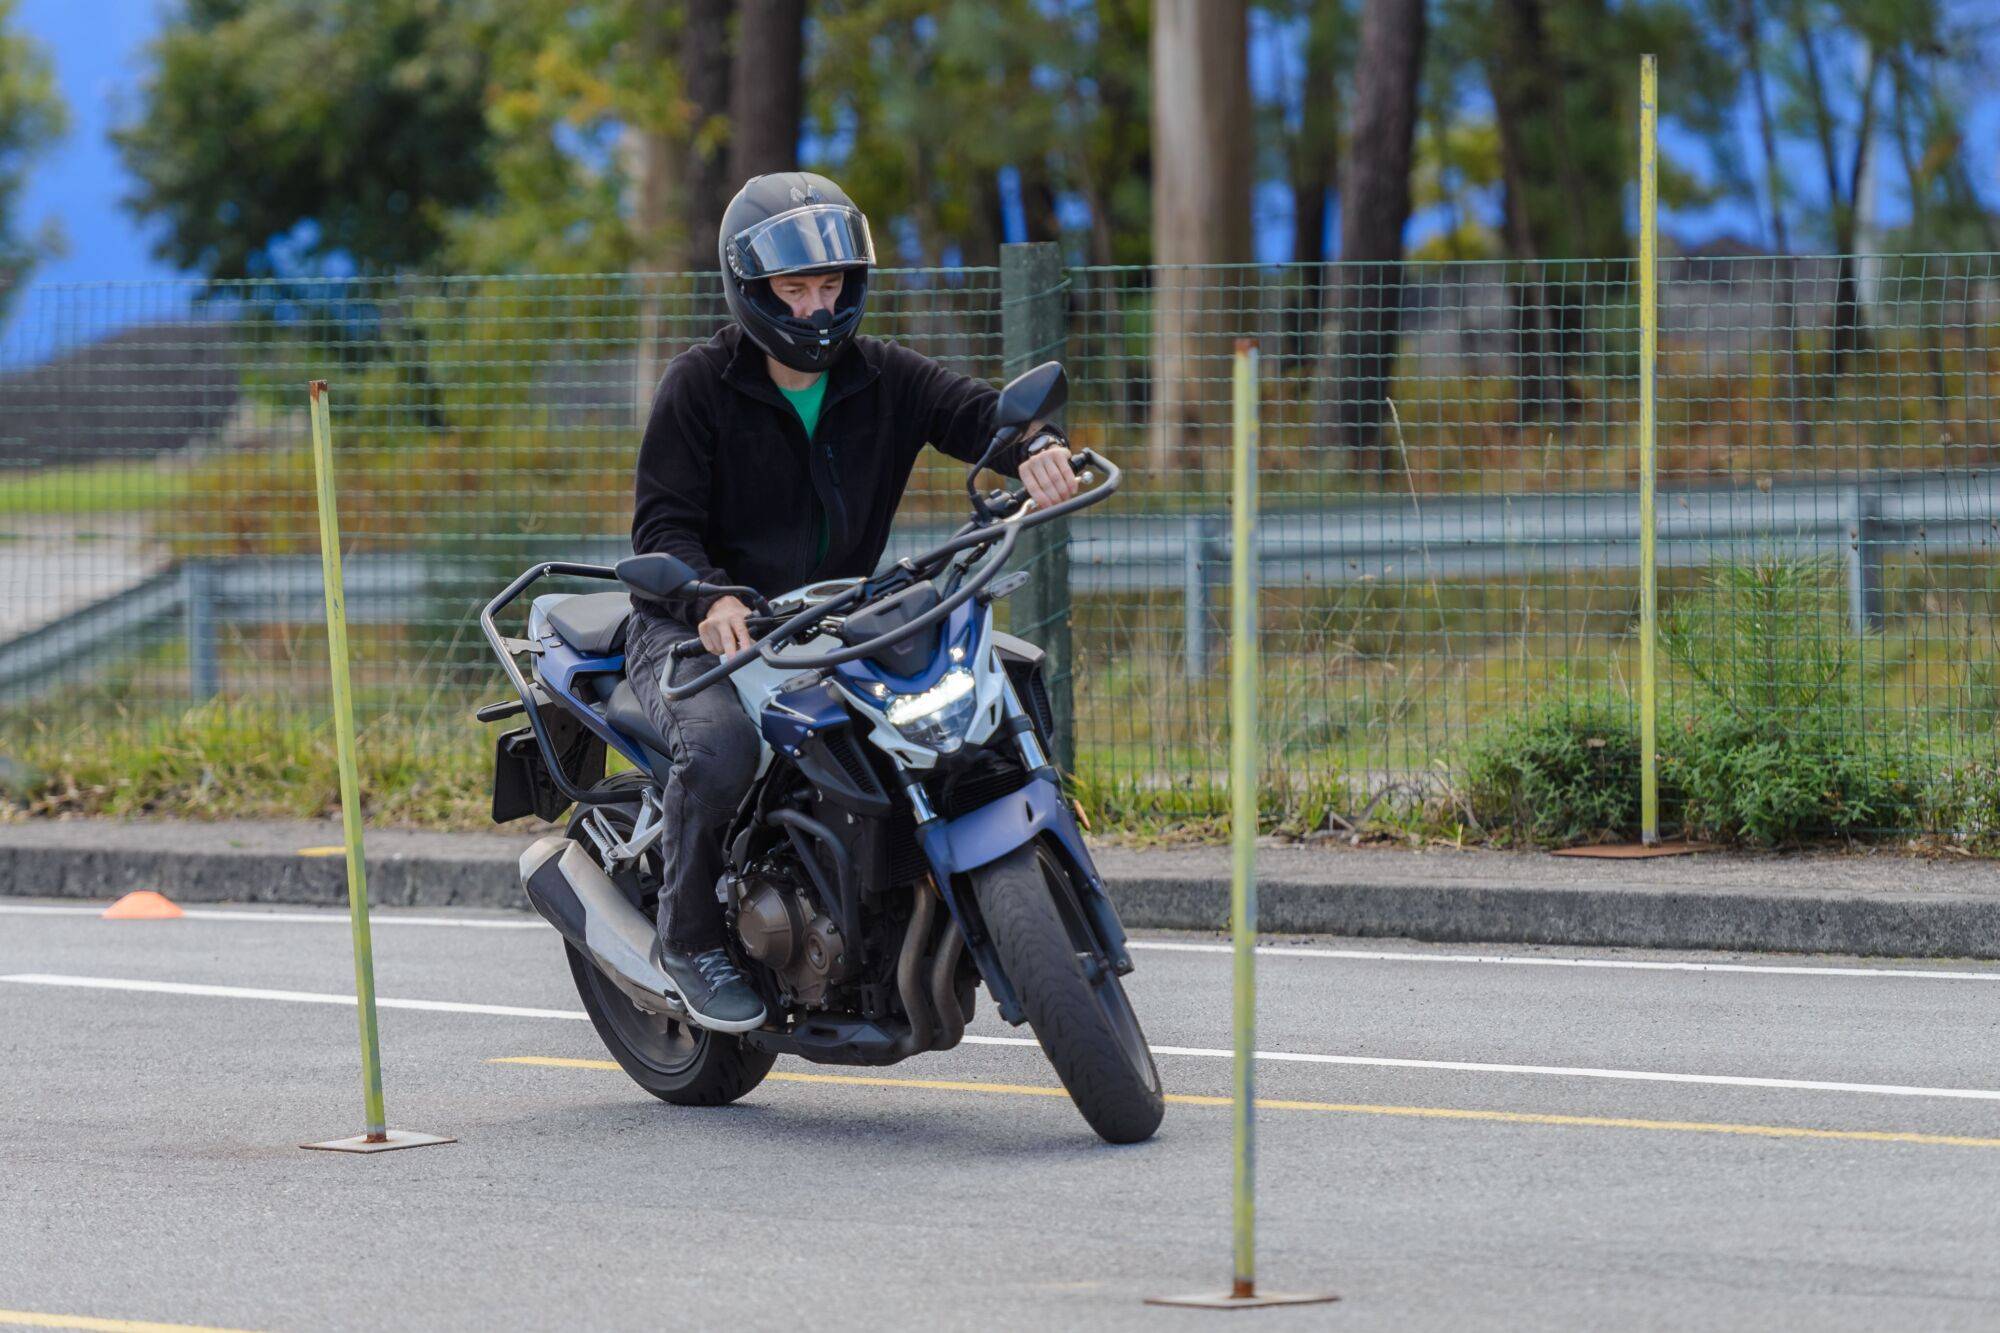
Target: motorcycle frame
{"type": "Point", "coordinates": [952, 848]}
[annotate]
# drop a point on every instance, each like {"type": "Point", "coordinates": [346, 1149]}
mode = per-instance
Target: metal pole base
{"type": "Point", "coordinates": [388, 1141]}
{"type": "Point", "coordinates": [1246, 1298]}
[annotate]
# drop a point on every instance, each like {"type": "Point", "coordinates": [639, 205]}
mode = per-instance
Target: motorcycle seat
{"type": "Point", "coordinates": [592, 623]}
{"type": "Point", "coordinates": [624, 712]}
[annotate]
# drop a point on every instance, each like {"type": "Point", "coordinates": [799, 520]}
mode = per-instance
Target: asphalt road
{"type": "Point", "coordinates": [1567, 1140]}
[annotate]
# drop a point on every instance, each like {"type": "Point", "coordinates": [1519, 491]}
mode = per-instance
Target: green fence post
{"type": "Point", "coordinates": [1649, 336]}
{"type": "Point", "coordinates": [379, 1137]}
{"type": "Point", "coordinates": [1033, 315]}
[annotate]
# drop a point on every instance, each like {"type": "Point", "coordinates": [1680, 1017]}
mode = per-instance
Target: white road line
{"type": "Point", "coordinates": [1200, 1052]}
{"type": "Point", "coordinates": [286, 996]}
{"type": "Point", "coordinates": [333, 917]}
{"type": "Point", "coordinates": [339, 918]}
{"type": "Point", "coordinates": [1533, 960]}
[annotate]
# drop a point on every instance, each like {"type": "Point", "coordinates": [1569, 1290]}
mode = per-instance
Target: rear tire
{"type": "Point", "coordinates": [1085, 1024]}
{"type": "Point", "coordinates": [674, 1060]}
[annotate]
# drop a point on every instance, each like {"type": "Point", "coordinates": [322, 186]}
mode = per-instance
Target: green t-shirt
{"type": "Point", "coordinates": [806, 403]}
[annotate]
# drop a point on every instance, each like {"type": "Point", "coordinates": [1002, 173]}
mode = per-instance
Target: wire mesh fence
{"type": "Point", "coordinates": [1448, 540]}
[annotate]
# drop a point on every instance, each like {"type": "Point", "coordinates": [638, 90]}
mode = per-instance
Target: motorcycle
{"type": "Point", "coordinates": [906, 838]}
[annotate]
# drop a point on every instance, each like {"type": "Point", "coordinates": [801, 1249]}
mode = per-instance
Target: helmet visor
{"type": "Point", "coordinates": [814, 237]}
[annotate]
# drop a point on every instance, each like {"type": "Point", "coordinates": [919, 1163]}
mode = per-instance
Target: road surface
{"type": "Point", "coordinates": [1459, 1138]}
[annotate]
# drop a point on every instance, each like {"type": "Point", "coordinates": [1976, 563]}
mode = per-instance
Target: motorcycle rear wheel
{"type": "Point", "coordinates": [1076, 1004]}
{"type": "Point", "coordinates": [676, 1061]}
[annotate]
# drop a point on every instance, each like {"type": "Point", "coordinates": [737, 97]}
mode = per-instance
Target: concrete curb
{"type": "Point", "coordinates": [1439, 898]}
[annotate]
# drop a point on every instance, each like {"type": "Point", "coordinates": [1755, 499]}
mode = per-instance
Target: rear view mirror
{"type": "Point", "coordinates": [657, 575]}
{"type": "Point", "coordinates": [1035, 395]}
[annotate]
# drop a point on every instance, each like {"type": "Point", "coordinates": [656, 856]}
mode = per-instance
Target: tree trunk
{"type": "Point", "coordinates": [1563, 169]}
{"type": "Point", "coordinates": [767, 94]}
{"type": "Point", "coordinates": [1201, 216]}
{"type": "Point", "coordinates": [650, 158]}
{"type": "Point", "coordinates": [1785, 285]}
{"type": "Point", "coordinates": [1315, 171]}
{"type": "Point", "coordinates": [1375, 207]}
{"type": "Point", "coordinates": [1845, 336]}
{"type": "Point", "coordinates": [705, 192]}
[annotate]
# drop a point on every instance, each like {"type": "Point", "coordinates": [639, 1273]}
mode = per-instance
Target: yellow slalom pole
{"type": "Point", "coordinates": [1243, 788]}
{"type": "Point", "coordinates": [1244, 785]}
{"type": "Point", "coordinates": [378, 1137]}
{"type": "Point", "coordinates": [1649, 336]}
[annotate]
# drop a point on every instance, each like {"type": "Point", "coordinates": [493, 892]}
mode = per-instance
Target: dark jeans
{"type": "Point", "coordinates": [713, 761]}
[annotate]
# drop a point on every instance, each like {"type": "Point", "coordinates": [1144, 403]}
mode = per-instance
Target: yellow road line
{"type": "Point", "coordinates": [1359, 1108]}
{"type": "Point", "coordinates": [30, 1319]}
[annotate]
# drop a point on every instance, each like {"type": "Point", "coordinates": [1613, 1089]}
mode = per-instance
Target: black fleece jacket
{"type": "Point", "coordinates": [728, 481]}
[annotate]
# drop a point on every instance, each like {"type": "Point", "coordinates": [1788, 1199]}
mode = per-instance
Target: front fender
{"type": "Point", "coordinates": [958, 846]}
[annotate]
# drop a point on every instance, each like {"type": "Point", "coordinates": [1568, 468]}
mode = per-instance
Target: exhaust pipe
{"type": "Point", "coordinates": [944, 993]}
{"type": "Point", "coordinates": [579, 900]}
{"type": "Point", "coordinates": [910, 976]}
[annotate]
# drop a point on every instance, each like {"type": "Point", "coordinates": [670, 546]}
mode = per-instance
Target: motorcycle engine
{"type": "Point", "coordinates": [782, 927]}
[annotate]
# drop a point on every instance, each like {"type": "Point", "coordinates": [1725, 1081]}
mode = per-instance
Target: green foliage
{"type": "Point", "coordinates": [245, 761]}
{"type": "Point", "coordinates": [1778, 786]}
{"type": "Point", "coordinates": [1562, 773]}
{"type": "Point", "coordinates": [92, 488]}
{"type": "Point", "coordinates": [32, 116]}
{"type": "Point", "coordinates": [919, 106]}
{"type": "Point", "coordinates": [272, 135]}
{"type": "Point", "coordinates": [1961, 804]}
{"type": "Point", "coordinates": [1773, 746]}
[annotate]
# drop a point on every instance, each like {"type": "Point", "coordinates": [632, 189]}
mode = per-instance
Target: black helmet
{"type": "Point", "coordinates": [794, 222]}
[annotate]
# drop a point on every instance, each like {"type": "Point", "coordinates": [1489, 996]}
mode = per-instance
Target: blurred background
{"type": "Point", "coordinates": [490, 223]}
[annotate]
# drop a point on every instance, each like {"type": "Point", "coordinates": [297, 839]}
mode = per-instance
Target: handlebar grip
{"type": "Point", "coordinates": [685, 649]}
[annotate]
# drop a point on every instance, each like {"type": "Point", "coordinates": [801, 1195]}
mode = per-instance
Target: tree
{"type": "Point", "coordinates": [32, 116]}
{"type": "Point", "coordinates": [1843, 185]}
{"type": "Point", "coordinates": [1561, 76]}
{"type": "Point", "coordinates": [1201, 212]}
{"type": "Point", "coordinates": [1375, 208]}
{"type": "Point", "coordinates": [705, 186]}
{"type": "Point", "coordinates": [767, 93]}
{"type": "Point", "coordinates": [276, 135]}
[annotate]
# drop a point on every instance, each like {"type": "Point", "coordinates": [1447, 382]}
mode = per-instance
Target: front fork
{"type": "Point", "coordinates": [964, 844]}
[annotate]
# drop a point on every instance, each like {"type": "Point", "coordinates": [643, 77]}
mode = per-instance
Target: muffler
{"type": "Point", "coordinates": [576, 897]}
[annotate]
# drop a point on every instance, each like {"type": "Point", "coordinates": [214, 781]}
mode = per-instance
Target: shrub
{"type": "Point", "coordinates": [1764, 782]}
{"type": "Point", "coordinates": [1773, 748]}
{"type": "Point", "coordinates": [1565, 772]}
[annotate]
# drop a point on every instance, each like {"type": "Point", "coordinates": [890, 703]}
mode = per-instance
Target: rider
{"type": "Point", "coordinates": [775, 456]}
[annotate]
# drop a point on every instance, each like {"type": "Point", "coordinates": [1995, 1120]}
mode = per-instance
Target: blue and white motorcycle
{"type": "Point", "coordinates": [906, 837]}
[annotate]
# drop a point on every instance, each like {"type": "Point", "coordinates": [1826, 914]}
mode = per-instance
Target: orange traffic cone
{"type": "Point", "coordinates": [144, 905]}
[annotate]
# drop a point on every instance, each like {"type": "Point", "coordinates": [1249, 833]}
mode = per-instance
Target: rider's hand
{"type": "Point", "coordinates": [1047, 475]}
{"type": "Point", "coordinates": [723, 630]}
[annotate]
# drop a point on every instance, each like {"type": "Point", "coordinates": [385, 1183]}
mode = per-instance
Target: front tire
{"type": "Point", "coordinates": [1076, 1004]}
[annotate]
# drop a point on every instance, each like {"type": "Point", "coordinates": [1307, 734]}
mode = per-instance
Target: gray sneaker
{"type": "Point", "coordinates": [717, 995]}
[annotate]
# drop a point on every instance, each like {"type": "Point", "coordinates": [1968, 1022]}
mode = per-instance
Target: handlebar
{"type": "Point", "coordinates": [1002, 528]}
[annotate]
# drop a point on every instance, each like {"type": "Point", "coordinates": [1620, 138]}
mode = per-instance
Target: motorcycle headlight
{"type": "Point", "coordinates": [936, 717]}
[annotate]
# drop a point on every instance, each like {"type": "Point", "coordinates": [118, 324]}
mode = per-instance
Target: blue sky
{"type": "Point", "coordinates": [97, 46]}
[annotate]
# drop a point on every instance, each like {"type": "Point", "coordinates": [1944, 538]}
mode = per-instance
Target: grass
{"type": "Point", "coordinates": [120, 486]}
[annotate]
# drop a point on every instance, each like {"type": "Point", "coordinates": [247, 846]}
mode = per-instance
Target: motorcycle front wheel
{"type": "Point", "coordinates": [1076, 1003]}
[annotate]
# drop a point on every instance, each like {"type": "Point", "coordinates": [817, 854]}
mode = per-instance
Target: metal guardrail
{"type": "Point", "coordinates": [1351, 542]}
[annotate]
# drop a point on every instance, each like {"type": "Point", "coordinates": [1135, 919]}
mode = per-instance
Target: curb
{"type": "Point", "coordinates": [1904, 924]}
